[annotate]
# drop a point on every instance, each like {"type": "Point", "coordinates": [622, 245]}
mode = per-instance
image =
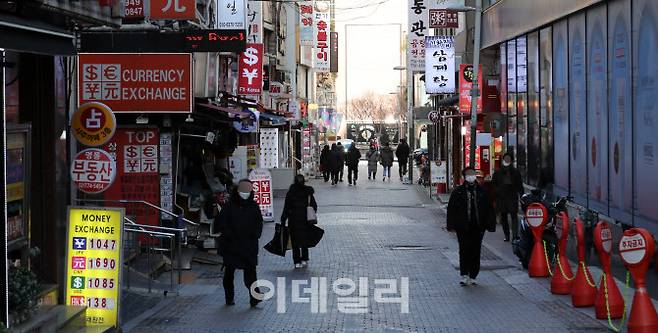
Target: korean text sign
{"type": "Point", "coordinates": [250, 70]}
{"type": "Point", "coordinates": [137, 82]}
{"type": "Point", "coordinates": [440, 65]}
{"type": "Point", "coordinates": [465, 86]}
{"type": "Point", "coordinates": [231, 14]}
{"type": "Point", "coordinates": [321, 32]}
{"type": "Point", "coordinates": [93, 170]}
{"type": "Point", "coordinates": [306, 23]}
{"type": "Point", "coordinates": [254, 22]}
{"type": "Point", "coordinates": [94, 261]}
{"type": "Point", "coordinates": [262, 186]}
{"type": "Point", "coordinates": [418, 15]}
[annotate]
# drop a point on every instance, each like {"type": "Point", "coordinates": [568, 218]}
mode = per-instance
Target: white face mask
{"type": "Point", "coordinates": [471, 179]}
{"type": "Point", "coordinates": [505, 163]}
{"type": "Point", "coordinates": [244, 195]}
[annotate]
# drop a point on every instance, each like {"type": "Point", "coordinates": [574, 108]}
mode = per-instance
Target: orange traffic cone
{"type": "Point", "coordinates": [563, 276]}
{"type": "Point", "coordinates": [583, 291]}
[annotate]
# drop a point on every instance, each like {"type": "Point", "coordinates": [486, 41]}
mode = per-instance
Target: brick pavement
{"type": "Point", "coordinates": [376, 230]}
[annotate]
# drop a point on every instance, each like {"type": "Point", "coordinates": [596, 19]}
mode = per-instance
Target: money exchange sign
{"type": "Point", "coordinates": [93, 262]}
{"type": "Point", "coordinates": [250, 70]}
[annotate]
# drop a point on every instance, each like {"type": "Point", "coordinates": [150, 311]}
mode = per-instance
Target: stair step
{"type": "Point", "coordinates": [71, 316]}
{"type": "Point", "coordinates": [88, 329]}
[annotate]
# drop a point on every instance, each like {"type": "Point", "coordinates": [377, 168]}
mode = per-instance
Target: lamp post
{"type": "Point", "coordinates": [410, 119]}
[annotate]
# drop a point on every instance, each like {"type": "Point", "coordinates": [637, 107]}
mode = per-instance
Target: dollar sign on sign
{"type": "Point", "coordinates": [251, 57]}
{"type": "Point", "coordinates": [91, 72]}
{"type": "Point", "coordinates": [77, 283]}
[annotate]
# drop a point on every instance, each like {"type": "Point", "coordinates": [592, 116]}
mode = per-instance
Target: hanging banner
{"type": "Point", "coordinates": [250, 70]}
{"type": "Point", "coordinates": [93, 170]}
{"type": "Point", "coordinates": [93, 124]}
{"type": "Point", "coordinates": [306, 23]}
{"type": "Point", "coordinates": [172, 9]}
{"type": "Point", "coordinates": [254, 22]}
{"type": "Point", "coordinates": [465, 86]}
{"type": "Point", "coordinates": [440, 65]}
{"type": "Point", "coordinates": [231, 14]}
{"type": "Point", "coordinates": [443, 18]}
{"type": "Point", "coordinates": [135, 151]}
{"type": "Point", "coordinates": [321, 32]}
{"type": "Point", "coordinates": [262, 186]}
{"type": "Point", "coordinates": [137, 82]}
{"type": "Point", "coordinates": [94, 257]}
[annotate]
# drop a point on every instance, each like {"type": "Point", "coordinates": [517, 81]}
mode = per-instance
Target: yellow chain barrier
{"type": "Point", "coordinates": [559, 265]}
{"type": "Point", "coordinates": [607, 303]}
{"type": "Point", "coordinates": [587, 275]}
{"type": "Point", "coordinates": [548, 264]}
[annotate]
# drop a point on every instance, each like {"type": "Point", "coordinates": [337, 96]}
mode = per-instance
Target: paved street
{"type": "Point", "coordinates": [379, 231]}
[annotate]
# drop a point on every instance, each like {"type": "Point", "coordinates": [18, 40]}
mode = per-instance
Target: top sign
{"type": "Point", "coordinates": [231, 14]}
{"type": "Point", "coordinates": [444, 18]}
{"type": "Point", "coordinates": [93, 124]}
{"type": "Point", "coordinates": [173, 9]}
{"type": "Point", "coordinates": [137, 82]}
{"type": "Point", "coordinates": [633, 248]}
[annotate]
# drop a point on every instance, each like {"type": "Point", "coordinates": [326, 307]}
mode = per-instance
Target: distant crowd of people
{"type": "Point", "coordinates": [333, 161]}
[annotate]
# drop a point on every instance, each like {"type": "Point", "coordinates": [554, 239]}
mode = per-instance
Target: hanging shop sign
{"type": "Point", "coordinates": [93, 124]}
{"type": "Point", "coordinates": [321, 32]}
{"type": "Point", "coordinates": [135, 151]}
{"type": "Point", "coordinates": [306, 23]}
{"type": "Point", "coordinates": [254, 21]}
{"type": "Point", "coordinates": [262, 186]}
{"type": "Point", "coordinates": [172, 10]}
{"type": "Point", "coordinates": [333, 59]}
{"type": "Point", "coordinates": [134, 9]}
{"type": "Point", "coordinates": [269, 148]}
{"type": "Point", "coordinates": [166, 175]}
{"type": "Point", "coordinates": [250, 70]}
{"type": "Point", "coordinates": [231, 14]}
{"type": "Point", "coordinates": [93, 170]}
{"type": "Point", "coordinates": [417, 11]}
{"type": "Point", "coordinates": [139, 83]}
{"type": "Point", "coordinates": [443, 18]}
{"type": "Point", "coordinates": [465, 86]}
{"type": "Point", "coordinates": [94, 262]}
{"type": "Point", "coordinates": [276, 89]}
{"type": "Point", "coordinates": [200, 40]}
{"type": "Point", "coordinates": [439, 65]}
{"type": "Point", "coordinates": [248, 125]}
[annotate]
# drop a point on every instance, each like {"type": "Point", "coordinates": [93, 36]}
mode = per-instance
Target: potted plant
{"type": "Point", "coordinates": [24, 289]}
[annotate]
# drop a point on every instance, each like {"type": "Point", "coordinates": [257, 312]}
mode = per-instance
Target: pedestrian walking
{"type": "Point", "coordinates": [240, 223]}
{"type": "Point", "coordinates": [386, 159]}
{"type": "Point", "coordinates": [352, 160]}
{"type": "Point", "coordinates": [334, 163]}
{"type": "Point", "coordinates": [341, 161]}
{"type": "Point", "coordinates": [402, 153]}
{"type": "Point", "coordinates": [373, 158]}
{"type": "Point", "coordinates": [299, 197]}
{"type": "Point", "coordinates": [324, 163]}
{"type": "Point", "coordinates": [470, 214]}
{"type": "Point", "coordinates": [508, 187]}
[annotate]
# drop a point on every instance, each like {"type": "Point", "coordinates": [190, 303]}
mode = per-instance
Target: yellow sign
{"type": "Point", "coordinates": [93, 262]}
{"type": "Point", "coordinates": [93, 124]}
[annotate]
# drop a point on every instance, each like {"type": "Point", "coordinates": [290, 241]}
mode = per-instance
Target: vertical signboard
{"type": "Point", "coordinates": [135, 151]}
{"type": "Point", "coordinates": [440, 65]}
{"type": "Point", "coordinates": [231, 14]}
{"type": "Point", "coordinates": [254, 22]}
{"type": "Point", "coordinates": [306, 23]}
{"type": "Point", "coordinates": [172, 9]}
{"type": "Point", "coordinates": [577, 109]}
{"type": "Point", "coordinates": [561, 107]}
{"type": "Point", "coordinates": [333, 57]}
{"type": "Point", "coordinates": [645, 47]}
{"type": "Point", "coordinates": [620, 90]}
{"type": "Point", "coordinates": [417, 29]}
{"type": "Point", "coordinates": [166, 175]}
{"type": "Point", "coordinates": [503, 86]}
{"type": "Point", "coordinates": [597, 110]}
{"type": "Point", "coordinates": [250, 70]}
{"type": "Point", "coordinates": [262, 186]}
{"type": "Point", "coordinates": [465, 86]}
{"type": "Point", "coordinates": [521, 65]}
{"type": "Point", "coordinates": [321, 31]}
{"type": "Point", "coordinates": [94, 262]}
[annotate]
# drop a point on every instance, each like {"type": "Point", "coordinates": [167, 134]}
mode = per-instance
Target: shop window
{"type": "Point", "coordinates": [511, 96]}
{"type": "Point", "coordinates": [521, 105]}
{"type": "Point", "coordinates": [545, 104]}
{"type": "Point", "coordinates": [533, 140]}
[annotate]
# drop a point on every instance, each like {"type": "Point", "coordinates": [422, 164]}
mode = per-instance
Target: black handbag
{"type": "Point", "coordinates": [279, 243]}
{"type": "Point", "coordinates": [315, 234]}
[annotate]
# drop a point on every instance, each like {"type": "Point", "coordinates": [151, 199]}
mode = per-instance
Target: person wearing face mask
{"type": "Point", "coordinates": [508, 188]}
{"type": "Point", "coordinates": [470, 214]}
{"type": "Point", "coordinates": [298, 198]}
{"type": "Point", "coordinates": [240, 223]}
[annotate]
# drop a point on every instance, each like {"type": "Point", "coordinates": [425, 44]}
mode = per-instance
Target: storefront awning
{"type": "Point", "coordinates": [23, 35]}
{"type": "Point", "coordinates": [231, 112]}
{"type": "Point", "coordinates": [273, 120]}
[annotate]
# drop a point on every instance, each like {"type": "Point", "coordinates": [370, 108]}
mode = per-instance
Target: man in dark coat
{"type": "Point", "coordinates": [334, 163]}
{"type": "Point", "coordinates": [470, 214]}
{"type": "Point", "coordinates": [298, 198]}
{"type": "Point", "coordinates": [402, 153]}
{"type": "Point", "coordinates": [352, 160]}
{"type": "Point", "coordinates": [386, 159]}
{"type": "Point", "coordinates": [240, 223]}
{"type": "Point", "coordinates": [341, 161]}
{"type": "Point", "coordinates": [325, 166]}
{"type": "Point", "coordinates": [508, 187]}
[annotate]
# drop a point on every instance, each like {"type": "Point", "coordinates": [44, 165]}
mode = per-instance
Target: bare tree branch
{"type": "Point", "coordinates": [373, 107]}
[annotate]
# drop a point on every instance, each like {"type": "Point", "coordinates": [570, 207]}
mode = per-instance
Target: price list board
{"type": "Point", "coordinates": [93, 262]}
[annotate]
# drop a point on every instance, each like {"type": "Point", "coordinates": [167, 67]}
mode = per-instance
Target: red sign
{"type": "Point", "coordinates": [444, 18]}
{"type": "Point", "coordinates": [137, 82]}
{"type": "Point", "coordinates": [134, 9]}
{"type": "Point", "coordinates": [465, 86]}
{"type": "Point", "coordinates": [467, 147]}
{"type": "Point", "coordinates": [173, 10]}
{"type": "Point", "coordinates": [93, 170]}
{"type": "Point", "coordinates": [250, 70]}
{"type": "Point", "coordinates": [136, 153]}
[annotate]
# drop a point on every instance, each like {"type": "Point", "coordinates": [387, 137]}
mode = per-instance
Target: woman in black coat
{"type": "Point", "coordinates": [240, 223]}
{"type": "Point", "coordinates": [299, 197]}
{"type": "Point", "coordinates": [324, 163]}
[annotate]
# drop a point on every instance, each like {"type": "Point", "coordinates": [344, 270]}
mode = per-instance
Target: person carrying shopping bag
{"type": "Point", "coordinates": [296, 212]}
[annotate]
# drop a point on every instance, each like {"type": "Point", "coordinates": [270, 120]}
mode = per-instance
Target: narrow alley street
{"type": "Point", "coordinates": [378, 231]}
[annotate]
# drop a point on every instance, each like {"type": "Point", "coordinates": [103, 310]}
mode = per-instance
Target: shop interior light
{"type": "Point", "coordinates": [63, 136]}
{"type": "Point", "coordinates": [463, 130]}
{"type": "Point", "coordinates": [142, 119]}
{"type": "Point", "coordinates": [189, 119]}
